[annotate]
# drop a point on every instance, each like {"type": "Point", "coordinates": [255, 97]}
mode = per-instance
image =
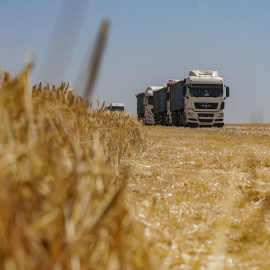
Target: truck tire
{"type": "Point", "coordinates": [144, 121]}
{"type": "Point", "coordinates": [173, 119]}
{"type": "Point", "coordinates": [167, 120]}
{"type": "Point", "coordinates": [183, 122]}
{"type": "Point", "coordinates": [178, 121]}
{"type": "Point", "coordinates": [219, 125]}
{"type": "Point", "coordinates": [164, 120]}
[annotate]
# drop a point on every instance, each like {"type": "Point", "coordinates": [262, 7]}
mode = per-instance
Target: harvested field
{"type": "Point", "coordinates": [84, 188]}
{"type": "Point", "coordinates": [203, 196]}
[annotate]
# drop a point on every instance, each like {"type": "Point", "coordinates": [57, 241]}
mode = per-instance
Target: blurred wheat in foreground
{"type": "Point", "coordinates": [84, 188]}
{"type": "Point", "coordinates": [63, 175]}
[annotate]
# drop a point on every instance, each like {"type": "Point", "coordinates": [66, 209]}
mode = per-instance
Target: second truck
{"type": "Point", "coordinates": [145, 105]}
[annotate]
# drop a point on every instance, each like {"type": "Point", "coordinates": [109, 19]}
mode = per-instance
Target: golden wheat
{"type": "Point", "coordinates": [63, 174]}
{"type": "Point", "coordinates": [73, 178]}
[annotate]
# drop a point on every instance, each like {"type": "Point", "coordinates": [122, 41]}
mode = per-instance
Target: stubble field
{"type": "Point", "coordinates": [86, 188]}
{"type": "Point", "coordinates": [203, 196]}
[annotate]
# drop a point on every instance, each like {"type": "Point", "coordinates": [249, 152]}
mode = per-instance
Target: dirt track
{"type": "Point", "coordinates": [203, 196]}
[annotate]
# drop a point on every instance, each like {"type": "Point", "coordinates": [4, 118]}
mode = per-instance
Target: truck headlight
{"type": "Point", "coordinates": [221, 114]}
{"type": "Point", "coordinates": [191, 114]}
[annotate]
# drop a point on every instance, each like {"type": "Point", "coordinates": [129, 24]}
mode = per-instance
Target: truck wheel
{"type": "Point", "coordinates": [144, 121]}
{"type": "Point", "coordinates": [182, 119]}
{"type": "Point", "coordinates": [220, 125]}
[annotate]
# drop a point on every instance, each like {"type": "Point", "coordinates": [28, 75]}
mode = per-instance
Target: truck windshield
{"type": "Point", "coordinates": [116, 108]}
{"type": "Point", "coordinates": [206, 90]}
{"type": "Point", "coordinates": [150, 100]}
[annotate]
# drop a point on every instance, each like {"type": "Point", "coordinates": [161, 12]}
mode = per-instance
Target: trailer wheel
{"type": "Point", "coordinates": [178, 120]}
{"type": "Point", "coordinates": [167, 120]}
{"type": "Point", "coordinates": [173, 119]}
{"type": "Point", "coordinates": [164, 120]}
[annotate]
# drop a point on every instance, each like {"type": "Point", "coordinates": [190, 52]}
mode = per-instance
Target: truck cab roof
{"type": "Point", "coordinates": [153, 88]}
{"type": "Point", "coordinates": [203, 73]}
{"type": "Point", "coordinates": [204, 77]}
{"type": "Point", "coordinates": [117, 104]}
{"type": "Point", "coordinates": [149, 90]}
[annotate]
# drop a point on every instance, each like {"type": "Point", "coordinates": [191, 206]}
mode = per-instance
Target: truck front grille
{"type": "Point", "coordinates": [205, 115]}
{"type": "Point", "coordinates": [206, 105]}
{"type": "Point", "coordinates": [206, 120]}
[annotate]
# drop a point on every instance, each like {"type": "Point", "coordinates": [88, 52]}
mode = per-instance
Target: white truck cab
{"type": "Point", "coordinates": [204, 99]}
{"type": "Point", "coordinates": [117, 107]}
{"type": "Point", "coordinates": [145, 102]}
{"type": "Point", "coordinates": [149, 104]}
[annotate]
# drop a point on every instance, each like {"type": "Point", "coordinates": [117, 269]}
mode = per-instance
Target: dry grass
{"type": "Point", "coordinates": [203, 196]}
{"type": "Point", "coordinates": [73, 179]}
{"type": "Point", "coordinates": [63, 173]}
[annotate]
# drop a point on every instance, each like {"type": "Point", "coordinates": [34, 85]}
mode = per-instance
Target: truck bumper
{"type": "Point", "coordinates": [205, 121]}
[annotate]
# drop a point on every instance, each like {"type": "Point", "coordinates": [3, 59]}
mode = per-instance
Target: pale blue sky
{"type": "Point", "coordinates": [150, 42]}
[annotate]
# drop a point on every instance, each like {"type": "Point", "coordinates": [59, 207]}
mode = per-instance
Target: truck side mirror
{"type": "Point", "coordinates": [227, 91]}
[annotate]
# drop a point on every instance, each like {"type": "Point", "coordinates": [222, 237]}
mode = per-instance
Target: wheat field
{"type": "Point", "coordinates": [85, 188]}
{"type": "Point", "coordinates": [63, 180]}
